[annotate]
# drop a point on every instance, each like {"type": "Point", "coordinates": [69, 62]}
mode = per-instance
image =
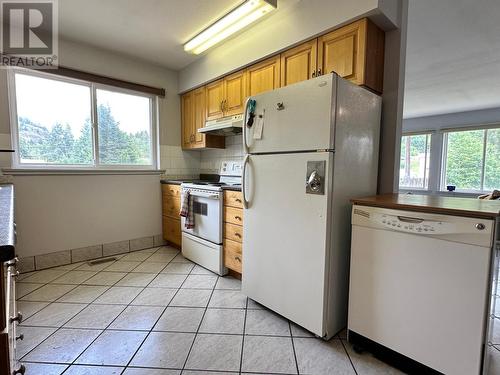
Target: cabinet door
{"type": "Point", "coordinates": [299, 63]}
{"type": "Point", "coordinates": [214, 98]}
{"type": "Point", "coordinates": [263, 76]}
{"type": "Point", "coordinates": [187, 120]}
{"type": "Point", "coordinates": [172, 230]}
{"type": "Point", "coordinates": [199, 113]}
{"type": "Point", "coordinates": [234, 93]}
{"type": "Point", "coordinates": [342, 52]}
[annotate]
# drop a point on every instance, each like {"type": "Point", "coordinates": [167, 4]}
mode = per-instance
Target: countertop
{"type": "Point", "coordinates": [469, 207]}
{"type": "Point", "coordinates": [7, 238]}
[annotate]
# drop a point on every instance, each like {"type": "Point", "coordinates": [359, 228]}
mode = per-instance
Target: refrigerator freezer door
{"type": "Point", "coordinates": [298, 117]}
{"type": "Point", "coordinates": [286, 238]}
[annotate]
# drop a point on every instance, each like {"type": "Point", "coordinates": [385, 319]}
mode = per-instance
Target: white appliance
{"type": "Point", "coordinates": [419, 286]}
{"type": "Point", "coordinates": [203, 243]}
{"type": "Point", "coordinates": [311, 147]}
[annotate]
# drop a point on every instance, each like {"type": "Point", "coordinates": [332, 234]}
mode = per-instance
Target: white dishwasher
{"type": "Point", "coordinates": [419, 287]}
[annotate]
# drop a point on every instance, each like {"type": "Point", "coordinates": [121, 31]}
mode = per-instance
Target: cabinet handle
{"type": "Point", "coordinates": [20, 337]}
{"type": "Point", "coordinates": [319, 71]}
{"type": "Point", "coordinates": [18, 318]}
{"type": "Point", "coordinates": [21, 370]}
{"type": "Point", "coordinates": [238, 200]}
{"type": "Point", "coordinates": [313, 74]}
{"type": "Point", "coordinates": [237, 235]}
{"type": "Point", "coordinates": [221, 106]}
{"type": "Point", "coordinates": [238, 259]}
{"type": "Point", "coordinates": [238, 218]}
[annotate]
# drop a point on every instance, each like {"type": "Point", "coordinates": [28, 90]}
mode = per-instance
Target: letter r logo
{"type": "Point", "coordinates": [27, 27]}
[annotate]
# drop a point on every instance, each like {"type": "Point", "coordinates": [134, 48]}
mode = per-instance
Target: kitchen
{"type": "Point", "coordinates": [240, 283]}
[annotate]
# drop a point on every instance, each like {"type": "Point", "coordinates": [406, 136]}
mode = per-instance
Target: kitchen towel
{"type": "Point", "coordinates": [187, 210]}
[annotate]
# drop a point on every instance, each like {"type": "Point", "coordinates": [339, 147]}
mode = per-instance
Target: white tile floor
{"type": "Point", "coordinates": [153, 312]}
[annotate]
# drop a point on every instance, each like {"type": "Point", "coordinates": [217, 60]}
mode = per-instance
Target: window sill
{"type": "Point", "coordinates": [443, 193]}
{"type": "Point", "coordinates": [78, 172]}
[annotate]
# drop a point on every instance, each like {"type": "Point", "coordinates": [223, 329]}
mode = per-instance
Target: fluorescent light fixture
{"type": "Point", "coordinates": [239, 18]}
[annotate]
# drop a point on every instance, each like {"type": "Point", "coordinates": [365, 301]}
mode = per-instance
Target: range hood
{"type": "Point", "coordinates": [224, 126]}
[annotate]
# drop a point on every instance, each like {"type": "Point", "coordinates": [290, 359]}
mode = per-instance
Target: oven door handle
{"type": "Point", "coordinates": [202, 195]}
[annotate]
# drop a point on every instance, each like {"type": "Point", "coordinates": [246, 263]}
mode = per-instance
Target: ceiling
{"type": "Point", "coordinates": [453, 56]}
{"type": "Point", "coordinates": [152, 30]}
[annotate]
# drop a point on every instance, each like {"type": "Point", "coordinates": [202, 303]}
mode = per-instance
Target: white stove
{"type": "Point", "coordinates": [202, 244]}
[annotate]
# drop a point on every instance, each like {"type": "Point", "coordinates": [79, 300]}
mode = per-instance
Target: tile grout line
{"type": "Point", "coordinates": [61, 327]}
{"type": "Point", "coordinates": [293, 347]}
{"type": "Point", "coordinates": [243, 340]}
{"type": "Point", "coordinates": [201, 321]}
{"type": "Point", "coordinates": [116, 317]}
{"type": "Point", "coordinates": [349, 357]}
{"type": "Point", "coordinates": [159, 317]}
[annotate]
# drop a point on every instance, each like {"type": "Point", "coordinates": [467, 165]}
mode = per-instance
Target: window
{"type": "Point", "coordinates": [471, 160]}
{"type": "Point", "coordinates": [414, 163]}
{"type": "Point", "coordinates": [70, 123]}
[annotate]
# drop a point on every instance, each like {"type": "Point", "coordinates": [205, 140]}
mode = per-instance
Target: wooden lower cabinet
{"type": "Point", "coordinates": [171, 205]}
{"type": "Point", "coordinates": [172, 231]}
{"type": "Point", "coordinates": [233, 230]}
{"type": "Point", "coordinates": [233, 255]}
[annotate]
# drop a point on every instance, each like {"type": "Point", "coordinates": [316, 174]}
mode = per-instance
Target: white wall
{"type": "Point", "coordinates": [56, 213]}
{"type": "Point", "coordinates": [452, 120]}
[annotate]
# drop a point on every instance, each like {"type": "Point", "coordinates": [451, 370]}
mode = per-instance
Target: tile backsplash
{"type": "Point", "coordinates": [178, 163]}
{"type": "Point", "coordinates": [210, 160]}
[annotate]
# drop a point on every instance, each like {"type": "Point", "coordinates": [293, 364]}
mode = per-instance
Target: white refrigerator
{"type": "Point", "coordinates": [311, 147]}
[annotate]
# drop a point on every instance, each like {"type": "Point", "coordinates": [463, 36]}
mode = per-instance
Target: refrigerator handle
{"type": "Point", "coordinates": [245, 119]}
{"type": "Point", "coordinates": [244, 181]}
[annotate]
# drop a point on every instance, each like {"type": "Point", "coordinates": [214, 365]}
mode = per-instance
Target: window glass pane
{"type": "Point", "coordinates": [54, 121]}
{"type": "Point", "coordinates": [492, 162]}
{"type": "Point", "coordinates": [464, 159]}
{"type": "Point", "coordinates": [414, 163]}
{"type": "Point", "coordinates": [124, 128]}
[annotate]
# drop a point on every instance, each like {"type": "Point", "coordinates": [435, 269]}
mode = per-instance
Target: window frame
{"type": "Point", "coordinates": [437, 169]}
{"type": "Point", "coordinates": [430, 133]}
{"type": "Point", "coordinates": [444, 156]}
{"type": "Point", "coordinates": [95, 166]}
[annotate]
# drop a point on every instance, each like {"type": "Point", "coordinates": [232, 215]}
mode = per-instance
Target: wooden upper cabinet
{"type": "Point", "coordinates": [187, 119]}
{"type": "Point", "coordinates": [355, 52]}
{"type": "Point", "coordinates": [263, 76]}
{"type": "Point", "coordinates": [234, 93]}
{"type": "Point", "coordinates": [214, 100]}
{"type": "Point", "coordinates": [198, 115]}
{"type": "Point", "coordinates": [299, 63]}
{"type": "Point", "coordinates": [193, 105]}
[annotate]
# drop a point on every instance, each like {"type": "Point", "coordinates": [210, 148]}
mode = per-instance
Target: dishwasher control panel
{"type": "Point", "coordinates": [414, 225]}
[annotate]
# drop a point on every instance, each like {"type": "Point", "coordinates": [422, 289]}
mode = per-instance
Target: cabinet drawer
{"type": "Point", "coordinates": [171, 207]}
{"type": "Point", "coordinates": [232, 255]}
{"type": "Point", "coordinates": [233, 215]}
{"type": "Point", "coordinates": [171, 190]}
{"type": "Point", "coordinates": [233, 232]}
{"type": "Point", "coordinates": [172, 230]}
{"type": "Point", "coordinates": [233, 198]}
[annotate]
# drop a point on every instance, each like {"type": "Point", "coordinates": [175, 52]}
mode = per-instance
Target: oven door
{"type": "Point", "coordinates": [207, 207]}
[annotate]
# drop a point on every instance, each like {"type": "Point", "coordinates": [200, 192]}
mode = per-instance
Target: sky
{"type": "Point", "coordinates": [47, 102]}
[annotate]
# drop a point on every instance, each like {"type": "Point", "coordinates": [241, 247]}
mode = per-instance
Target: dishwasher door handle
{"type": "Point", "coordinates": [413, 220]}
